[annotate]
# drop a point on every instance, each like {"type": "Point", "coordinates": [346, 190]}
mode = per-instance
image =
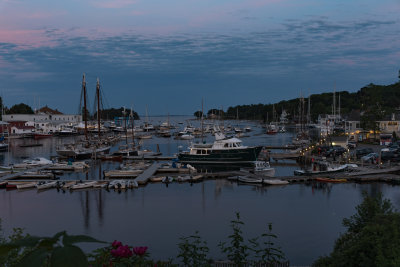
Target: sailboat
{"type": "Point", "coordinates": [127, 150]}
{"type": "Point", "coordinates": [87, 149]}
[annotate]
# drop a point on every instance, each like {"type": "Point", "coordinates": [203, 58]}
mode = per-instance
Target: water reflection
{"type": "Point", "coordinates": [135, 216]}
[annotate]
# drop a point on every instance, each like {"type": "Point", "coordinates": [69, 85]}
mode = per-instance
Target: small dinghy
{"type": "Point", "coordinates": [83, 185]}
{"type": "Point", "coordinates": [182, 179]}
{"type": "Point", "coordinates": [329, 180]}
{"type": "Point", "coordinates": [26, 185]}
{"type": "Point", "coordinates": [67, 185]}
{"type": "Point", "coordinates": [249, 180]}
{"type": "Point", "coordinates": [132, 184]}
{"type": "Point", "coordinates": [46, 185]}
{"type": "Point", "coordinates": [167, 179]}
{"type": "Point", "coordinates": [274, 182]}
{"type": "Point", "coordinates": [196, 178]}
{"type": "Point", "coordinates": [157, 179]}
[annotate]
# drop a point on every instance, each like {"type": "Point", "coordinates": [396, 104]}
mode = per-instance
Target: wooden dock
{"type": "Point", "coordinates": [278, 156]}
{"type": "Point", "coordinates": [144, 177]}
{"type": "Point", "coordinates": [154, 158]}
{"type": "Point", "coordinates": [17, 174]}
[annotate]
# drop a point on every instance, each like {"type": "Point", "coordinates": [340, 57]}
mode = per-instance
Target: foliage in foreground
{"type": "Point", "coordinates": [60, 250]}
{"type": "Point", "coordinates": [372, 237]}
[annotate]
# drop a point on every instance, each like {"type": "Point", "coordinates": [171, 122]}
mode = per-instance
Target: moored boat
{"type": "Point", "coordinates": [330, 180]}
{"type": "Point", "coordinates": [275, 182]}
{"type": "Point", "coordinates": [321, 167]}
{"type": "Point", "coordinates": [222, 151]}
{"type": "Point", "coordinates": [249, 180]}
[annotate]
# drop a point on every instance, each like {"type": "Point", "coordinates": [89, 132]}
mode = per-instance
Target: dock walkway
{"type": "Point", "coordinates": [17, 173]}
{"type": "Point", "coordinates": [144, 177]}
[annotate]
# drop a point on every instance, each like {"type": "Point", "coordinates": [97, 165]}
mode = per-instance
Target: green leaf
{"type": "Point", "coordinates": [72, 239]}
{"type": "Point", "coordinates": [68, 256]}
{"type": "Point", "coordinates": [35, 258]}
{"type": "Point", "coordinates": [29, 241]}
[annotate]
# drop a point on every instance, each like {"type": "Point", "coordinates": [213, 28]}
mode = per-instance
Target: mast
{"type": "Point", "coordinates": [309, 110]}
{"type": "Point", "coordinates": [126, 128]}
{"type": "Point", "coordinates": [339, 105]}
{"type": "Point", "coordinates": [84, 105]}
{"type": "Point", "coordinates": [147, 120]}
{"type": "Point", "coordinates": [133, 128]}
{"type": "Point", "coordinates": [202, 130]}
{"type": "Point", "coordinates": [334, 105]}
{"type": "Point", "coordinates": [98, 105]}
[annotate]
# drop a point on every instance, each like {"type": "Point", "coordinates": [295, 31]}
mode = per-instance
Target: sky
{"type": "Point", "coordinates": [169, 55]}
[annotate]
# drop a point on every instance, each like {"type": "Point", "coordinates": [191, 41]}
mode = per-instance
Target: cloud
{"type": "Point", "coordinates": [113, 4]}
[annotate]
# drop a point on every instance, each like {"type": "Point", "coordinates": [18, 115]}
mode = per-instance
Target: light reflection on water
{"type": "Point", "coordinates": [307, 219]}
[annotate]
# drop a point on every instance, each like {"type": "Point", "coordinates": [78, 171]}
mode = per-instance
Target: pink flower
{"type": "Point", "coordinates": [116, 244]}
{"type": "Point", "coordinates": [140, 251]}
{"type": "Point", "coordinates": [122, 252]}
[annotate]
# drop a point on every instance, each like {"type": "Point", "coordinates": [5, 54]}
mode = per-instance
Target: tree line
{"type": "Point", "coordinates": [373, 101]}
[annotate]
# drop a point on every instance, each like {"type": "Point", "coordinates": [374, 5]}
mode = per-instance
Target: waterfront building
{"type": "Point", "coordinates": [352, 126]}
{"type": "Point", "coordinates": [390, 124]}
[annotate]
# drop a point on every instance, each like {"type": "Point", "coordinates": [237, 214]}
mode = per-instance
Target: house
{"type": "Point", "coordinates": [352, 126]}
{"type": "Point", "coordinates": [390, 124]}
{"type": "Point", "coordinates": [44, 114]}
{"type": "Point", "coordinates": [20, 130]}
{"type": "Point", "coordinates": [326, 123]}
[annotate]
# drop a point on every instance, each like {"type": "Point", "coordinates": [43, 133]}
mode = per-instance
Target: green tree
{"type": "Point", "coordinates": [21, 109]}
{"type": "Point", "coordinates": [372, 237]}
{"type": "Point", "coordinates": [198, 114]}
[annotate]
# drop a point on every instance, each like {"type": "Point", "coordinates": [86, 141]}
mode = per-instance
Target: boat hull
{"type": "Point", "coordinates": [220, 156]}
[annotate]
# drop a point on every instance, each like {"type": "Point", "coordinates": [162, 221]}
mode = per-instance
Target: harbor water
{"type": "Point", "coordinates": [306, 218]}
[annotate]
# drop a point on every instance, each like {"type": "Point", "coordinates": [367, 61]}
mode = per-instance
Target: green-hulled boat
{"type": "Point", "coordinates": [222, 151]}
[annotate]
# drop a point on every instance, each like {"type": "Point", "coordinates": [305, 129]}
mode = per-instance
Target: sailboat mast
{"type": "Point", "coordinates": [84, 105]}
{"type": "Point", "coordinates": [98, 105]}
{"type": "Point", "coordinates": [133, 128]}
{"type": "Point", "coordinates": [202, 130]}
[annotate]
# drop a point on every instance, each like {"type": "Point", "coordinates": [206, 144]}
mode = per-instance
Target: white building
{"type": "Point", "coordinates": [43, 118]}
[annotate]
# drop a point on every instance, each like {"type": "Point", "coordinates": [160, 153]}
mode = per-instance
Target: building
{"type": "Point", "coordinates": [352, 126]}
{"type": "Point", "coordinates": [390, 124]}
{"type": "Point", "coordinates": [44, 114]}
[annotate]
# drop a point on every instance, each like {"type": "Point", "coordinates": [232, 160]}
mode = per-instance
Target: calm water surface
{"type": "Point", "coordinates": [306, 219]}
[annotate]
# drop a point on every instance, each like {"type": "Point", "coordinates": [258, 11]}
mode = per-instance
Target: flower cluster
{"type": "Point", "coordinates": [121, 251]}
{"type": "Point", "coordinates": [140, 251]}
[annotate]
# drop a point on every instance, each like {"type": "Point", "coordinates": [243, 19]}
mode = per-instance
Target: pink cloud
{"type": "Point", "coordinates": [114, 3]}
{"type": "Point", "coordinates": [24, 37]}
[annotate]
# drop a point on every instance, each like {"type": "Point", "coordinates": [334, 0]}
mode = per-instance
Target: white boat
{"type": "Point", "coordinates": [67, 185]}
{"type": "Point", "coordinates": [321, 167]}
{"type": "Point", "coordinates": [31, 163]}
{"type": "Point", "coordinates": [83, 185]}
{"type": "Point", "coordinates": [182, 179]}
{"type": "Point", "coordinates": [167, 179]}
{"type": "Point", "coordinates": [46, 185]}
{"type": "Point", "coordinates": [263, 168]}
{"type": "Point", "coordinates": [249, 180]}
{"type": "Point", "coordinates": [274, 182]}
{"type": "Point", "coordinates": [157, 179]}
{"type": "Point", "coordinates": [26, 185]}
{"type": "Point", "coordinates": [196, 178]}
{"type": "Point", "coordinates": [132, 184]}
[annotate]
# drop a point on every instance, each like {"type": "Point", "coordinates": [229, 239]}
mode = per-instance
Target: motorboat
{"type": "Point", "coordinates": [321, 167]}
{"type": "Point", "coordinates": [249, 180]}
{"type": "Point", "coordinates": [263, 168]}
{"type": "Point", "coordinates": [223, 150]}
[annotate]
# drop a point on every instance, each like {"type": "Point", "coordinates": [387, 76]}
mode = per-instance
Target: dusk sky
{"type": "Point", "coordinates": [169, 55]}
